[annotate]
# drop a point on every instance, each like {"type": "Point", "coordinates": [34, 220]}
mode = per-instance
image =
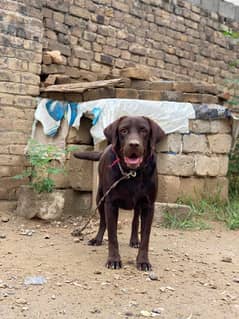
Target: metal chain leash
{"type": "Point", "coordinates": [131, 174]}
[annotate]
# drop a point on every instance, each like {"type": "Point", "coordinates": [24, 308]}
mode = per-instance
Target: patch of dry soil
{"type": "Point", "coordinates": [198, 274]}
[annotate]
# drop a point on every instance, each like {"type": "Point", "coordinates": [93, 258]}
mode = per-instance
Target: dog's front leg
{"type": "Point", "coordinates": [142, 260]}
{"type": "Point", "coordinates": [111, 217]}
{"type": "Point", "coordinates": [97, 240]}
{"type": "Point", "coordinates": [134, 238]}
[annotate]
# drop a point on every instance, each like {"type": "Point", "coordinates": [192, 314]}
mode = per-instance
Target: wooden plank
{"type": "Point", "coordinates": [83, 86]}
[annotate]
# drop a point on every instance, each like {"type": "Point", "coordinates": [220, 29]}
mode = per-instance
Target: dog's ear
{"type": "Point", "coordinates": [156, 133]}
{"type": "Point", "coordinates": [111, 132]}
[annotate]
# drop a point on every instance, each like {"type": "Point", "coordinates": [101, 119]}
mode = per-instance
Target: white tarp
{"type": "Point", "coordinates": [171, 116]}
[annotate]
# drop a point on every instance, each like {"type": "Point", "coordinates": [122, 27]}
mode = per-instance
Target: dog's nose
{"type": "Point", "coordinates": [134, 143]}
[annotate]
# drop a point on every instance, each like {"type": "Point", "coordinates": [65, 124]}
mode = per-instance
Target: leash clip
{"type": "Point", "coordinates": [126, 175]}
{"type": "Point", "coordinates": [131, 174]}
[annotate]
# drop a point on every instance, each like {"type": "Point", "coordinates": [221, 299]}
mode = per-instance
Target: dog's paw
{"type": "Point", "coordinates": [145, 266]}
{"type": "Point", "coordinates": [94, 242]}
{"type": "Point", "coordinates": [114, 264]}
{"type": "Point", "coordinates": [134, 243]}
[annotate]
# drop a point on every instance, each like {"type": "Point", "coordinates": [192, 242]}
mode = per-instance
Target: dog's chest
{"type": "Point", "coordinates": [130, 192]}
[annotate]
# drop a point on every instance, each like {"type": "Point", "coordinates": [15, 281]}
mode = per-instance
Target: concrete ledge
{"type": "Point", "coordinates": [179, 211]}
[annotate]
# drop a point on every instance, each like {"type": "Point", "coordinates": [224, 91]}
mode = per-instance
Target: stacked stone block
{"type": "Point", "coordinates": [134, 88]}
{"type": "Point", "coordinates": [195, 165]}
{"type": "Point", "coordinates": [21, 35]}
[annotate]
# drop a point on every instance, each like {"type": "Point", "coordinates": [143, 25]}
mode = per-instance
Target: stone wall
{"type": "Point", "coordinates": [97, 39]}
{"type": "Point", "coordinates": [195, 165]}
{"type": "Point", "coordinates": [21, 34]}
{"type": "Point", "coordinates": [177, 39]}
{"type": "Point", "coordinates": [191, 166]}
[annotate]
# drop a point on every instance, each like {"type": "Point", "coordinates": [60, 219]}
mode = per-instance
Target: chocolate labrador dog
{"type": "Point", "coordinates": [130, 158]}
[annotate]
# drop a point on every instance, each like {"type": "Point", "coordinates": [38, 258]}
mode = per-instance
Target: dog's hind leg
{"type": "Point", "coordinates": [134, 238]}
{"type": "Point", "coordinates": [97, 240]}
{"type": "Point", "coordinates": [142, 260]}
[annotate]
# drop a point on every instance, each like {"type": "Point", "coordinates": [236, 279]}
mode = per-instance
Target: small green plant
{"type": "Point", "coordinates": [209, 209]}
{"type": "Point", "coordinates": [231, 34]}
{"type": "Point", "coordinates": [233, 172]}
{"type": "Point", "coordinates": [41, 168]}
{"type": "Point", "coordinates": [232, 214]}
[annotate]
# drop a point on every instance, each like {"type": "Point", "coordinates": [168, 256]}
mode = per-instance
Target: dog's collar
{"type": "Point", "coordinates": [132, 172]}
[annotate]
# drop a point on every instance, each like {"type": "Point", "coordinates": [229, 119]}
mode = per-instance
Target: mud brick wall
{"type": "Point", "coordinates": [179, 40]}
{"type": "Point", "coordinates": [21, 34]}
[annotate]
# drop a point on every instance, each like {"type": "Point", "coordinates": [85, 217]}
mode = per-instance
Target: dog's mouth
{"type": "Point", "coordinates": [133, 161]}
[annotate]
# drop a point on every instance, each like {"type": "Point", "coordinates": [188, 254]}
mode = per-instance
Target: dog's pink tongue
{"type": "Point", "coordinates": [133, 161]}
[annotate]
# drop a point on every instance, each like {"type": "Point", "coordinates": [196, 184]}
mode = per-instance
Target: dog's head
{"type": "Point", "coordinates": [134, 139]}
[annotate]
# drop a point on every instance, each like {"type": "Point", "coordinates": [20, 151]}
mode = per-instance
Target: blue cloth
{"type": "Point", "coordinates": [73, 110]}
{"type": "Point", "coordinates": [96, 112]}
{"type": "Point", "coordinates": [55, 109]}
{"type": "Point", "coordinates": [50, 113]}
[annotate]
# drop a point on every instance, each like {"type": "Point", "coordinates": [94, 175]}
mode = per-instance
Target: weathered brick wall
{"type": "Point", "coordinates": [97, 38]}
{"type": "Point", "coordinates": [178, 39]}
{"type": "Point", "coordinates": [21, 34]}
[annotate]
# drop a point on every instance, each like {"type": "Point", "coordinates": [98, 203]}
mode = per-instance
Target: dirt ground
{"type": "Point", "coordinates": [198, 273]}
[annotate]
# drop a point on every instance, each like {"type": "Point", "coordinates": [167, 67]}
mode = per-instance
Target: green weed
{"type": "Point", "coordinates": [206, 210]}
{"type": "Point", "coordinates": [189, 222]}
{"type": "Point", "coordinates": [43, 165]}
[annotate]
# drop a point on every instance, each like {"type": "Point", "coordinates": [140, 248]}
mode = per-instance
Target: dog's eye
{"type": "Point", "coordinates": [143, 130]}
{"type": "Point", "coordinates": [124, 131]}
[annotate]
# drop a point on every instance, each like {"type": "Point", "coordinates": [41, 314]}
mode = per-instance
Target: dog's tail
{"type": "Point", "coordinates": [91, 156]}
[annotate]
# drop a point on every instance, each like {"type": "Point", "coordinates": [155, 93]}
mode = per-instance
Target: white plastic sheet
{"type": "Point", "coordinates": [171, 116]}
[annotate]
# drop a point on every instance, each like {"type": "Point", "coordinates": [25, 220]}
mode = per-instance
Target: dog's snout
{"type": "Point", "coordinates": [134, 143]}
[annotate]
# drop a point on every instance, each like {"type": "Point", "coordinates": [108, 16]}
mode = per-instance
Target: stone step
{"type": "Point", "coordinates": [175, 210]}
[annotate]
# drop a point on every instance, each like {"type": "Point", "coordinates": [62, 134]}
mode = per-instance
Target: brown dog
{"type": "Point", "coordinates": [131, 151]}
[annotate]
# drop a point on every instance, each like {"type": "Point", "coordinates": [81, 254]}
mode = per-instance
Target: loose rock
{"type": "Point", "coordinates": [145, 313]}
{"type": "Point", "coordinates": [37, 280]}
{"type": "Point", "coordinates": [227, 259]}
{"type": "Point", "coordinates": [5, 219]}
{"type": "Point", "coordinates": [158, 310]}
{"type": "Point", "coordinates": [236, 280]}
{"type": "Point", "coordinates": [27, 232]}
{"type": "Point", "coordinates": [25, 308]}
{"type": "Point", "coordinates": [129, 314]}
{"type": "Point", "coordinates": [153, 276]}
{"type": "Point", "coordinates": [3, 284]}
{"type": "Point", "coordinates": [21, 301]}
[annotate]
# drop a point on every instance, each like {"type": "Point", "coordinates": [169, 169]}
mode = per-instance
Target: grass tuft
{"type": "Point", "coordinates": [203, 211]}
